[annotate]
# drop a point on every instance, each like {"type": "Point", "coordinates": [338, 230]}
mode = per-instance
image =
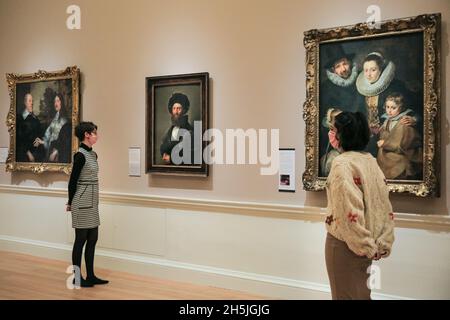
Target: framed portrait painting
{"type": "Point", "coordinates": [177, 117]}
{"type": "Point", "coordinates": [390, 73]}
{"type": "Point", "coordinates": [43, 114]}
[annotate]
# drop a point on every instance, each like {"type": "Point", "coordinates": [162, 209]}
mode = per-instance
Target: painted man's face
{"type": "Point", "coordinates": [29, 102]}
{"type": "Point", "coordinates": [342, 68]}
{"type": "Point", "coordinates": [57, 104]}
{"type": "Point", "coordinates": [177, 110]}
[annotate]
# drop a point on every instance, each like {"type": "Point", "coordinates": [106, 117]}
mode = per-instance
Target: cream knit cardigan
{"type": "Point", "coordinates": [359, 210]}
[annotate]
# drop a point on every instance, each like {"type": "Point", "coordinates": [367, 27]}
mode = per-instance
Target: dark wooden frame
{"type": "Point", "coordinates": [151, 82]}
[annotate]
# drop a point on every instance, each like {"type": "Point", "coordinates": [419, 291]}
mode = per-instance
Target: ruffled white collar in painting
{"type": "Point", "coordinates": [373, 89]}
{"type": "Point", "coordinates": [341, 82]}
{"type": "Point", "coordinates": [399, 116]}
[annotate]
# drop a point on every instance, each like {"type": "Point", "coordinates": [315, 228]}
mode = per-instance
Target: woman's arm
{"type": "Point", "coordinates": [386, 238]}
{"type": "Point", "coordinates": [78, 162]}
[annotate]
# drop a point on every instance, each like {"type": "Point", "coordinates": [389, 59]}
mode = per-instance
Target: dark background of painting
{"type": "Point", "coordinates": [404, 50]}
{"type": "Point", "coordinates": [162, 116]}
{"type": "Point", "coordinates": [43, 93]}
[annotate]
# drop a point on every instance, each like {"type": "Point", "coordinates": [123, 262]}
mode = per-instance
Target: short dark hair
{"type": "Point", "coordinates": [381, 62]}
{"type": "Point", "coordinates": [352, 130]}
{"type": "Point", "coordinates": [83, 127]}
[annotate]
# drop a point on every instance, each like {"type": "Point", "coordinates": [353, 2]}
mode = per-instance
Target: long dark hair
{"type": "Point", "coordinates": [352, 130]}
{"type": "Point", "coordinates": [63, 111]}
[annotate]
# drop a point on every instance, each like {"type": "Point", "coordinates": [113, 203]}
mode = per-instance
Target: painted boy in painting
{"type": "Point", "coordinates": [400, 145]}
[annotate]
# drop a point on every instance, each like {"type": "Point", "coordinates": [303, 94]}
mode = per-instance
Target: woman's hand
{"type": "Point", "coordinates": [68, 207]}
{"type": "Point", "coordinates": [380, 143]}
{"type": "Point", "coordinates": [375, 130]}
{"type": "Point", "coordinates": [166, 158]}
{"type": "Point", "coordinates": [53, 156]}
{"type": "Point", "coordinates": [408, 121]}
{"type": "Point", "coordinates": [30, 156]}
{"type": "Point", "coordinates": [37, 142]}
{"type": "Point", "coordinates": [377, 256]}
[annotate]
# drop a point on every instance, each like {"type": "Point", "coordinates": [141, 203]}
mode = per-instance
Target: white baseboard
{"type": "Point", "coordinates": [259, 284]}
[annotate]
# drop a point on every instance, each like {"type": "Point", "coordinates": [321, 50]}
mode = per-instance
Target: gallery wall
{"type": "Point", "coordinates": [252, 49]}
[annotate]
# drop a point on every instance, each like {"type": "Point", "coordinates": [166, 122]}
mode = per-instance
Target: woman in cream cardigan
{"type": "Point", "coordinates": [360, 219]}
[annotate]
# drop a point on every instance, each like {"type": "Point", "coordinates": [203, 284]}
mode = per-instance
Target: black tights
{"type": "Point", "coordinates": [82, 236]}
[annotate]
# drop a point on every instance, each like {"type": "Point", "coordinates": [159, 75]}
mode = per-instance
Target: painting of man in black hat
{"type": "Point", "coordinates": [178, 106]}
{"type": "Point", "coordinates": [177, 119]}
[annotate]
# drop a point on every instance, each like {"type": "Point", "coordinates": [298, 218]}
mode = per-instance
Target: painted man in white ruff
{"type": "Point", "coordinates": [338, 91]}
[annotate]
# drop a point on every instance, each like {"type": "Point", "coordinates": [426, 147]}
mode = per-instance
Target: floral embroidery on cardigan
{"type": "Point", "coordinates": [329, 220]}
{"type": "Point", "coordinates": [357, 181]}
{"type": "Point", "coordinates": [345, 198]}
{"type": "Point", "coordinates": [352, 217]}
{"type": "Point", "coordinates": [391, 215]}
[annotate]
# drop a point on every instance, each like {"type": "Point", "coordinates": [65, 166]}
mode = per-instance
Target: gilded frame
{"type": "Point", "coordinates": [430, 25]}
{"type": "Point", "coordinates": [71, 75]}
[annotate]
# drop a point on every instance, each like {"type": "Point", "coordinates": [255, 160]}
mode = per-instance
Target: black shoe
{"type": "Point", "coordinates": [84, 283]}
{"type": "Point", "coordinates": [96, 280]}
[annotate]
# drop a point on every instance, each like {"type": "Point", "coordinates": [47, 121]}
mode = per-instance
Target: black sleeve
{"type": "Point", "coordinates": [165, 146]}
{"type": "Point", "coordinates": [64, 143]}
{"type": "Point", "coordinates": [78, 162]}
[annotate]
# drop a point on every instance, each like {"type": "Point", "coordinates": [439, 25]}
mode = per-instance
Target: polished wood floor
{"type": "Point", "coordinates": [28, 277]}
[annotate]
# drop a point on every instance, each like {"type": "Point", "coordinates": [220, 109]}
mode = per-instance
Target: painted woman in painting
{"type": "Point", "coordinates": [375, 82]}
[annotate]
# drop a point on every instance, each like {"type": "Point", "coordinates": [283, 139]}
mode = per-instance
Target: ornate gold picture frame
{"type": "Point", "coordinates": [41, 120]}
{"type": "Point", "coordinates": [366, 68]}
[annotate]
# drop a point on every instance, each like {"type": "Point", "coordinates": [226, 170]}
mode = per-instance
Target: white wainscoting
{"type": "Point", "coordinates": [271, 250]}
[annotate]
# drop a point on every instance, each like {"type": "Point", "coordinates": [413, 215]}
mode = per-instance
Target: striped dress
{"type": "Point", "coordinates": [85, 202]}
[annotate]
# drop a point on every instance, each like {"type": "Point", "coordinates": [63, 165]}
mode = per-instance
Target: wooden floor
{"type": "Point", "coordinates": [28, 277]}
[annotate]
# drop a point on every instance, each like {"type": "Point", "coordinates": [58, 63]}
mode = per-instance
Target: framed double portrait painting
{"type": "Point", "coordinates": [177, 118]}
{"type": "Point", "coordinates": [389, 72]}
{"type": "Point", "coordinates": [43, 113]}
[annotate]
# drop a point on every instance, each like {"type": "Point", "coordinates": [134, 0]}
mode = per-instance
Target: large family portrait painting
{"type": "Point", "coordinates": [382, 78]}
{"type": "Point", "coordinates": [390, 75]}
{"type": "Point", "coordinates": [44, 110]}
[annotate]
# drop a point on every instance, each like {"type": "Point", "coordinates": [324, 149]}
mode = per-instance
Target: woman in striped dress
{"type": "Point", "coordinates": [83, 202]}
